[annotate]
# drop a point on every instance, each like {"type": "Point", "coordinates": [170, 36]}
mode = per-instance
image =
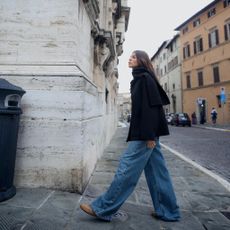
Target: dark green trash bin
{"type": "Point", "coordinates": [10, 110]}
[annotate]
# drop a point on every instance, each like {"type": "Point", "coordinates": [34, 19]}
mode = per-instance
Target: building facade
{"type": "Point", "coordinates": [174, 75]}
{"type": "Point", "coordinates": [64, 54]}
{"type": "Point", "coordinates": [159, 61]}
{"type": "Point", "coordinates": [166, 62]}
{"type": "Point", "coordinates": [205, 48]}
{"type": "Point", "coordinates": [124, 106]}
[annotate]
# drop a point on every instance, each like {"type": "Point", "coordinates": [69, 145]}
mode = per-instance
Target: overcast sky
{"type": "Point", "coordinates": [150, 23]}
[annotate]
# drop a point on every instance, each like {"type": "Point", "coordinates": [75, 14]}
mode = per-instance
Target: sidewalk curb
{"type": "Point", "coordinates": [213, 128]}
{"type": "Point", "coordinates": [222, 181]}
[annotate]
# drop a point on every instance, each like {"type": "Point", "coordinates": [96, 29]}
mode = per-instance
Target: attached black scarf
{"type": "Point", "coordinates": [155, 92]}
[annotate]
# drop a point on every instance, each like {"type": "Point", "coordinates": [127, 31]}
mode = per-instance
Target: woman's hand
{"type": "Point", "coordinates": [151, 144]}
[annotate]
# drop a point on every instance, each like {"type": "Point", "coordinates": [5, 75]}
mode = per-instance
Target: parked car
{"type": "Point", "coordinates": [181, 119]}
{"type": "Point", "coordinates": [169, 117]}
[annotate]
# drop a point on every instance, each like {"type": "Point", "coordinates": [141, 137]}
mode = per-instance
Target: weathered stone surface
{"type": "Point", "coordinates": [63, 55]}
{"type": "Point", "coordinates": [52, 34]}
{"type": "Point", "coordinates": [212, 220]}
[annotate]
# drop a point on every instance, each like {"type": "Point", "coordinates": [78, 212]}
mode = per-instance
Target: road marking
{"type": "Point", "coordinates": [212, 128]}
{"type": "Point", "coordinates": [222, 181]}
{"type": "Point", "coordinates": [218, 129]}
{"type": "Point", "coordinates": [43, 202]}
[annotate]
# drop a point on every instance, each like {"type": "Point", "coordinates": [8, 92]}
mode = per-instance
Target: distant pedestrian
{"type": "Point", "coordinates": [143, 153]}
{"type": "Point", "coordinates": [213, 115]}
{"type": "Point", "coordinates": [194, 119]}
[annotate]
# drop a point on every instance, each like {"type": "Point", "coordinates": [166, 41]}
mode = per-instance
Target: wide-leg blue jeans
{"type": "Point", "coordinates": [136, 158]}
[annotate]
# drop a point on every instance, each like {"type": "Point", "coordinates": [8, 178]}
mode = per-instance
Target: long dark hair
{"type": "Point", "coordinates": [144, 61]}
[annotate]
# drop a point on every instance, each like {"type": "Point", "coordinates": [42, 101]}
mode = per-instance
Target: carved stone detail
{"type": "Point", "coordinates": [93, 10]}
{"type": "Point", "coordinates": [104, 51]}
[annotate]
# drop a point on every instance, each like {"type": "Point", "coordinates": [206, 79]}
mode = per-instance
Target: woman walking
{"type": "Point", "coordinates": [143, 153]}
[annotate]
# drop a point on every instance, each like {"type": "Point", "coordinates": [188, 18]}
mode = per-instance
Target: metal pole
{"type": "Point", "coordinates": [223, 112]}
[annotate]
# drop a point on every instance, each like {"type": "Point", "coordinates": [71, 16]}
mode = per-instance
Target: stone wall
{"type": "Point", "coordinates": [51, 49]}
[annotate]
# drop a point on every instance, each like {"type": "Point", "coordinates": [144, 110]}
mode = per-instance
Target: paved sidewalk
{"type": "Point", "coordinates": [225, 128]}
{"type": "Point", "coordinates": [204, 203]}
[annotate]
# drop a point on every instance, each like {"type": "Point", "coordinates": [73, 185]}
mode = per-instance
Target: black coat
{"type": "Point", "coordinates": [147, 115]}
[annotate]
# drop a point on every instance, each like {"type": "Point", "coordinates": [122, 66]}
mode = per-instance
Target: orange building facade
{"type": "Point", "coordinates": [205, 52]}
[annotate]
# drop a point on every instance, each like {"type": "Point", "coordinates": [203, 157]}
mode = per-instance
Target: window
{"type": "Point", "coordinates": [188, 81]}
{"type": "Point", "coordinates": [226, 3]}
{"type": "Point", "coordinates": [227, 30]}
{"type": "Point", "coordinates": [185, 30]}
{"type": "Point", "coordinates": [165, 69]}
{"type": "Point", "coordinates": [200, 78]}
{"type": "Point", "coordinates": [198, 45]}
{"type": "Point", "coordinates": [211, 12]}
{"type": "Point", "coordinates": [216, 76]}
{"type": "Point", "coordinates": [213, 38]}
{"type": "Point", "coordinates": [173, 85]}
{"type": "Point", "coordinates": [164, 56]}
{"type": "Point", "coordinates": [165, 87]}
{"type": "Point", "coordinates": [157, 70]}
{"type": "Point", "coordinates": [171, 47]}
{"type": "Point", "coordinates": [196, 22]}
{"type": "Point", "coordinates": [186, 51]}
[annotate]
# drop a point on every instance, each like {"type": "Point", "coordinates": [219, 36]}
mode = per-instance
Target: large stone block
{"type": "Point", "coordinates": [51, 32]}
{"type": "Point", "coordinates": [62, 131]}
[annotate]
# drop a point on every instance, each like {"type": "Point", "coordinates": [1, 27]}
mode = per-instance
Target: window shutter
{"type": "Point", "coordinates": [209, 41]}
{"type": "Point", "coordinates": [184, 52]}
{"type": "Point", "coordinates": [201, 44]}
{"type": "Point", "coordinates": [217, 37]}
{"type": "Point", "coordinates": [188, 81]}
{"type": "Point", "coordinates": [216, 74]}
{"type": "Point", "coordinates": [188, 50]}
{"type": "Point", "coordinates": [225, 32]}
{"type": "Point", "coordinates": [194, 46]}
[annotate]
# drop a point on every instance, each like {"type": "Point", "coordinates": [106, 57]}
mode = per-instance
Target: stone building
{"type": "Point", "coordinates": [174, 74]}
{"type": "Point", "coordinates": [205, 48]}
{"type": "Point", "coordinates": [124, 106]}
{"type": "Point", "coordinates": [64, 54]}
{"type": "Point", "coordinates": [167, 65]}
{"type": "Point", "coordinates": [159, 61]}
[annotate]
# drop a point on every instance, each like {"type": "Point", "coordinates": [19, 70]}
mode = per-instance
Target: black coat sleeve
{"type": "Point", "coordinates": [150, 113]}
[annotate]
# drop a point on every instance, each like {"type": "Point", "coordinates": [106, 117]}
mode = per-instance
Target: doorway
{"type": "Point", "coordinates": [201, 110]}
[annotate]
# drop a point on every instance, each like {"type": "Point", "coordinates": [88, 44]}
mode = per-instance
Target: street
{"type": "Point", "coordinates": [203, 201]}
{"type": "Point", "coordinates": [209, 148]}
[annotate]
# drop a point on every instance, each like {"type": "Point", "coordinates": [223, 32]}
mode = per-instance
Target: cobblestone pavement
{"type": "Point", "coordinates": [204, 203]}
{"type": "Point", "coordinates": [208, 147]}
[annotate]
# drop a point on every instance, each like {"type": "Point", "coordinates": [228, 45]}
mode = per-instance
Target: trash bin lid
{"type": "Point", "coordinates": [5, 85]}
{"type": "Point", "coordinates": [10, 111]}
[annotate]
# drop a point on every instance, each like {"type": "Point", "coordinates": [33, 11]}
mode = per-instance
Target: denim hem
{"type": "Point", "coordinates": [170, 219]}
{"type": "Point", "coordinates": [105, 218]}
